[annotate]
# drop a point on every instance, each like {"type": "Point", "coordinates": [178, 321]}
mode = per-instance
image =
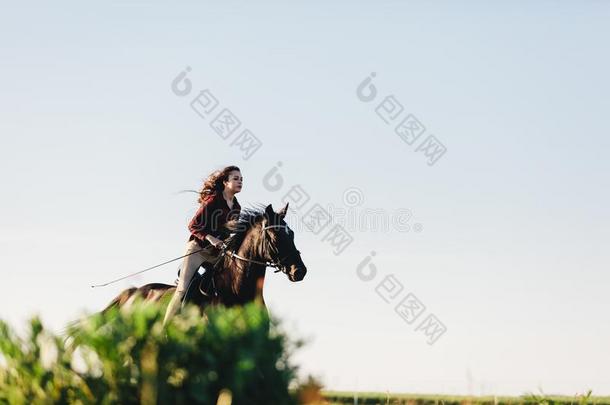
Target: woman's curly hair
{"type": "Point", "coordinates": [213, 183]}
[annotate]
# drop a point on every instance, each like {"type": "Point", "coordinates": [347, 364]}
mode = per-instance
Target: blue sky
{"type": "Point", "coordinates": [511, 257]}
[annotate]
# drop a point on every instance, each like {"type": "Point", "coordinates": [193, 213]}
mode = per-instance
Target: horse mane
{"type": "Point", "coordinates": [239, 228]}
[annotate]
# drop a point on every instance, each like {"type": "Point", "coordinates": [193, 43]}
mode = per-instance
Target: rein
{"type": "Point", "coordinates": [275, 264]}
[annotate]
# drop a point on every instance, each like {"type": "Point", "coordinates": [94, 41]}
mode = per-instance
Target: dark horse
{"type": "Point", "coordinates": [260, 238]}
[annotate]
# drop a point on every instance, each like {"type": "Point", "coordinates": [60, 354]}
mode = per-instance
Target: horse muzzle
{"type": "Point", "coordinates": [297, 273]}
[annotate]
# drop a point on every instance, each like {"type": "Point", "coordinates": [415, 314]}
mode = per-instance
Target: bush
{"type": "Point", "coordinates": [126, 357]}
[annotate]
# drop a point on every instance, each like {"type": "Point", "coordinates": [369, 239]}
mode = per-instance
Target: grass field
{"type": "Point", "coordinates": [380, 398]}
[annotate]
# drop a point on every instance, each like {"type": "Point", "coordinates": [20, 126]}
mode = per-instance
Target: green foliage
{"type": "Point", "coordinates": [127, 357]}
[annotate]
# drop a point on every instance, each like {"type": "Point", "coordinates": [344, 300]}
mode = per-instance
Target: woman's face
{"type": "Point", "coordinates": [234, 182]}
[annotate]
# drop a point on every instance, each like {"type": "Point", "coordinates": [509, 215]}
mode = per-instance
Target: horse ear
{"type": "Point", "coordinates": [269, 211]}
{"type": "Point", "coordinates": [283, 211]}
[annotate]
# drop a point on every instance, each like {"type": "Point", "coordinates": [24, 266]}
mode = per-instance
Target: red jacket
{"type": "Point", "coordinates": [212, 214]}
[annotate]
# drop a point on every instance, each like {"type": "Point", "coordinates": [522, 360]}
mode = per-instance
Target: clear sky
{"type": "Point", "coordinates": [511, 253]}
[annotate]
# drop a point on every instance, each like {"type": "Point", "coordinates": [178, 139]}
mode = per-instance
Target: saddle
{"type": "Point", "coordinates": [204, 282]}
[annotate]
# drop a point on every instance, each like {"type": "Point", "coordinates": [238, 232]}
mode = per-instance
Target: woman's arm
{"type": "Point", "coordinates": [201, 225]}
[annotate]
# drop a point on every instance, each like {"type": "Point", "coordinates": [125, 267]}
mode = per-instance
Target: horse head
{"type": "Point", "coordinates": [279, 244]}
{"type": "Point", "coordinates": [262, 237]}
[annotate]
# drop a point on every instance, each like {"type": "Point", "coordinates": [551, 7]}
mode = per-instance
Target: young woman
{"type": "Point", "coordinates": [218, 205]}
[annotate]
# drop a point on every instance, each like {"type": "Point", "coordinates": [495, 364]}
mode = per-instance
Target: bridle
{"type": "Point", "coordinates": [278, 264]}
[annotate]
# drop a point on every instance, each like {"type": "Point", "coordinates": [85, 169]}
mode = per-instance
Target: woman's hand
{"type": "Point", "coordinates": [217, 243]}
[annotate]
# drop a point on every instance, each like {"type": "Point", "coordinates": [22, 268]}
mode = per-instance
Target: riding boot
{"type": "Point", "coordinates": [207, 279]}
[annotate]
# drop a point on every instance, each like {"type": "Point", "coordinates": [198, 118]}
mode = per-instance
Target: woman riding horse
{"type": "Point", "coordinates": [260, 238]}
{"type": "Point", "coordinates": [218, 205]}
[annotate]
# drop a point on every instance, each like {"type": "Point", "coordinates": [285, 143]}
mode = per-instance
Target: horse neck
{"type": "Point", "coordinates": [245, 275]}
